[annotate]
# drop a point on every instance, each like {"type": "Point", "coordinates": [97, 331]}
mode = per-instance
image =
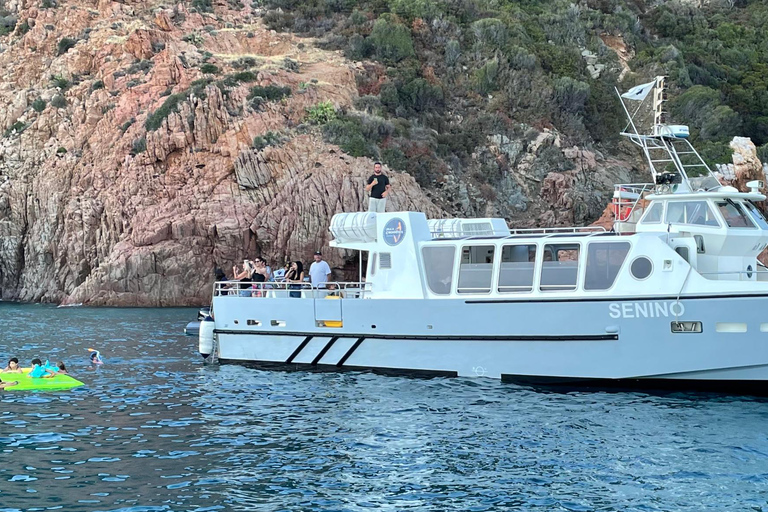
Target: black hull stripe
{"type": "Point", "coordinates": [325, 349]}
{"type": "Point", "coordinates": [298, 350]}
{"type": "Point", "coordinates": [350, 352]}
{"type": "Point", "coordinates": [741, 387]}
{"type": "Point", "coordinates": [537, 337]}
{"type": "Point", "coordinates": [619, 299]}
{"type": "Point", "coordinates": [398, 372]}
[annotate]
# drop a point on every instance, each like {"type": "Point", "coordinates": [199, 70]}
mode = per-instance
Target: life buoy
{"type": "Point", "coordinates": [621, 207]}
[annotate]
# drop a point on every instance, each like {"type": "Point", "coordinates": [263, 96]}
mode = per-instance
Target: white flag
{"type": "Point", "coordinates": [639, 92]}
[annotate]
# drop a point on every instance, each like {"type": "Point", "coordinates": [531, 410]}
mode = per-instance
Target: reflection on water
{"type": "Point", "coordinates": [156, 430]}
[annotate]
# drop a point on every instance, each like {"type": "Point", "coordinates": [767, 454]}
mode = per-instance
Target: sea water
{"type": "Point", "coordinates": [155, 429]}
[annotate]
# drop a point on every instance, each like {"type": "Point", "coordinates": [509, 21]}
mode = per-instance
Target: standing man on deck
{"type": "Point", "coordinates": [319, 271]}
{"type": "Point", "coordinates": [378, 186]}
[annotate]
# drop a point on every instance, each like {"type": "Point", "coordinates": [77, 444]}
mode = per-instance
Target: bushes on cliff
{"type": "Point", "coordinates": [65, 44]}
{"type": "Point", "coordinates": [261, 94]}
{"type": "Point", "coordinates": [169, 106]}
{"type": "Point", "coordinates": [322, 113]}
{"type": "Point", "coordinates": [390, 41]}
{"type": "Point", "coordinates": [39, 105]}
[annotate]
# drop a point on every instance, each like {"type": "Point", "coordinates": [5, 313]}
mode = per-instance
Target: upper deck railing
{"type": "Point", "coordinates": [282, 290]}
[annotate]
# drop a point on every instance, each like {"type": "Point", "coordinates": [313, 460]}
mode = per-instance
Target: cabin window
{"type": "Point", "coordinates": [641, 268]}
{"type": "Point", "coordinates": [733, 215]}
{"type": "Point", "coordinates": [560, 268]}
{"type": "Point", "coordinates": [438, 268]}
{"type": "Point", "coordinates": [517, 266]}
{"type": "Point", "coordinates": [476, 269]}
{"type": "Point", "coordinates": [697, 213]}
{"type": "Point", "coordinates": [604, 260]}
{"type": "Point", "coordinates": [756, 215]}
{"type": "Point", "coordinates": [654, 214]}
{"type": "Point", "coordinates": [385, 260]}
{"type": "Point", "coordinates": [683, 252]}
{"type": "Point", "coordinates": [373, 264]}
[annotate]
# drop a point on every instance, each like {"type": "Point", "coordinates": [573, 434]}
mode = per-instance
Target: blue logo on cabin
{"type": "Point", "coordinates": [394, 231]}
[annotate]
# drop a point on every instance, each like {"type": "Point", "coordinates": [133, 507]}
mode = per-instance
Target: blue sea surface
{"type": "Point", "coordinates": [155, 429]}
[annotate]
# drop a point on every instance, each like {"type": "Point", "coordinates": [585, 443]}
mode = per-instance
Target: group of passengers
{"type": "Point", "coordinates": [254, 276]}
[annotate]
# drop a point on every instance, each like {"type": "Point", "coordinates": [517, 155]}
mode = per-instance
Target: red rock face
{"type": "Point", "coordinates": [87, 215]}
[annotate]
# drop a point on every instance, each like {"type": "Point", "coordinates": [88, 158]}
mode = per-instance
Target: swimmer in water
{"type": "Point", "coordinates": [95, 356]}
{"type": "Point", "coordinates": [13, 366]}
{"type": "Point", "coordinates": [62, 368]}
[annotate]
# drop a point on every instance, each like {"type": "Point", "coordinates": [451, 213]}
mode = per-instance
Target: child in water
{"type": "Point", "coordinates": [95, 356]}
{"type": "Point", "coordinates": [62, 368]}
{"type": "Point", "coordinates": [39, 370]}
{"type": "Point", "coordinates": [13, 366]}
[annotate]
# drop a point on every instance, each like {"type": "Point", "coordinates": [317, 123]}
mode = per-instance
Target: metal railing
{"type": "Point", "coordinates": [280, 290]}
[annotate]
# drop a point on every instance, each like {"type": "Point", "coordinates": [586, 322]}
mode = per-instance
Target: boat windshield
{"type": "Point", "coordinates": [733, 215]}
{"type": "Point", "coordinates": [756, 215]}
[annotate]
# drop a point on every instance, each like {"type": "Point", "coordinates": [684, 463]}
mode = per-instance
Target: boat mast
{"type": "Point", "coordinates": [675, 164]}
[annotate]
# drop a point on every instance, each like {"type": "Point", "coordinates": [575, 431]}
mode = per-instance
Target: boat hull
{"type": "Point", "coordinates": [578, 340]}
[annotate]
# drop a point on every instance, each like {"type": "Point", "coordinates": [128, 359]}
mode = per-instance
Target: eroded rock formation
{"type": "Point", "coordinates": [127, 173]}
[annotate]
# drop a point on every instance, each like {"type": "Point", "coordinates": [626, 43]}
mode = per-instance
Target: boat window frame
{"type": "Point", "coordinates": [478, 291]}
{"type": "Point", "coordinates": [754, 212]}
{"type": "Point", "coordinates": [534, 270]}
{"type": "Point", "coordinates": [619, 270]}
{"type": "Point", "coordinates": [578, 285]}
{"type": "Point", "coordinates": [661, 205]}
{"type": "Point", "coordinates": [713, 214]}
{"type": "Point", "coordinates": [453, 273]}
{"type": "Point", "coordinates": [727, 201]}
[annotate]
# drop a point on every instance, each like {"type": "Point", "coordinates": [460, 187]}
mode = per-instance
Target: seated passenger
{"type": "Point", "coordinates": [13, 366]}
{"type": "Point", "coordinates": [257, 288]}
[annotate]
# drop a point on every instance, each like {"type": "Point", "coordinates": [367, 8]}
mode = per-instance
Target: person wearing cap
{"type": "Point", "coordinates": [319, 271]}
{"type": "Point", "coordinates": [378, 186]}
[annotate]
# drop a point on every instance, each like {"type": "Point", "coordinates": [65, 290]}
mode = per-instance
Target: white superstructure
{"type": "Point", "coordinates": [673, 294]}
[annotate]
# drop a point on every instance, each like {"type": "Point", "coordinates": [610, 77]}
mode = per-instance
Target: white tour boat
{"type": "Point", "coordinates": [673, 295]}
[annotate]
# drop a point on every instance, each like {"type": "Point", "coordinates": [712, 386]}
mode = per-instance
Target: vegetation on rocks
{"type": "Point", "coordinates": [460, 72]}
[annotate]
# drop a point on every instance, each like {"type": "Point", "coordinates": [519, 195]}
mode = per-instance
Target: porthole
{"type": "Point", "coordinates": [641, 268]}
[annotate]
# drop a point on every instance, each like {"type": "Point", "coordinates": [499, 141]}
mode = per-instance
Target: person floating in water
{"type": "Point", "coordinates": [13, 366]}
{"type": "Point", "coordinates": [40, 370]}
{"type": "Point", "coordinates": [95, 356]}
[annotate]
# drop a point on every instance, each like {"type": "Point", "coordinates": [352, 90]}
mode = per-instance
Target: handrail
{"type": "Point", "coordinates": [268, 289]}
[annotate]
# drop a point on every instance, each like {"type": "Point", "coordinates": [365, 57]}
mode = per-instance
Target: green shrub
{"type": "Point", "coordinates": [193, 38]}
{"type": "Point", "coordinates": [39, 105]}
{"type": "Point", "coordinates": [98, 84]}
{"type": "Point", "coordinates": [202, 5]}
{"type": "Point", "coordinates": [61, 151]}
{"type": "Point", "coordinates": [244, 63]}
{"type": "Point", "coordinates": [269, 92]}
{"type": "Point", "coordinates": [210, 69]}
{"type": "Point", "coordinates": [139, 66]}
{"type": "Point", "coordinates": [390, 41]}
{"type": "Point", "coordinates": [486, 77]}
{"type": "Point", "coordinates": [58, 101]}
{"type": "Point", "coordinates": [60, 82]}
{"type": "Point", "coordinates": [268, 139]}
{"type": "Point", "coordinates": [138, 146]}
{"type": "Point", "coordinates": [127, 124]}
{"type": "Point", "coordinates": [571, 95]}
{"type": "Point", "coordinates": [24, 27]}
{"type": "Point", "coordinates": [65, 44]}
{"type": "Point", "coordinates": [322, 113]}
{"type": "Point", "coordinates": [171, 105]}
{"type": "Point", "coordinates": [17, 127]}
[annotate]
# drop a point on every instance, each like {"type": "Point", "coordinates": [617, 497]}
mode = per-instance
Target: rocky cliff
{"type": "Point", "coordinates": [144, 145]}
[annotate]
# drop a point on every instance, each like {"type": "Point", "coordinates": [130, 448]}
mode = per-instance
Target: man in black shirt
{"type": "Point", "coordinates": [378, 186]}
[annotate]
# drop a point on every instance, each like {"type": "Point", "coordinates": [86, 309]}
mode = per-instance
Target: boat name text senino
{"type": "Point", "coordinates": [646, 309]}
